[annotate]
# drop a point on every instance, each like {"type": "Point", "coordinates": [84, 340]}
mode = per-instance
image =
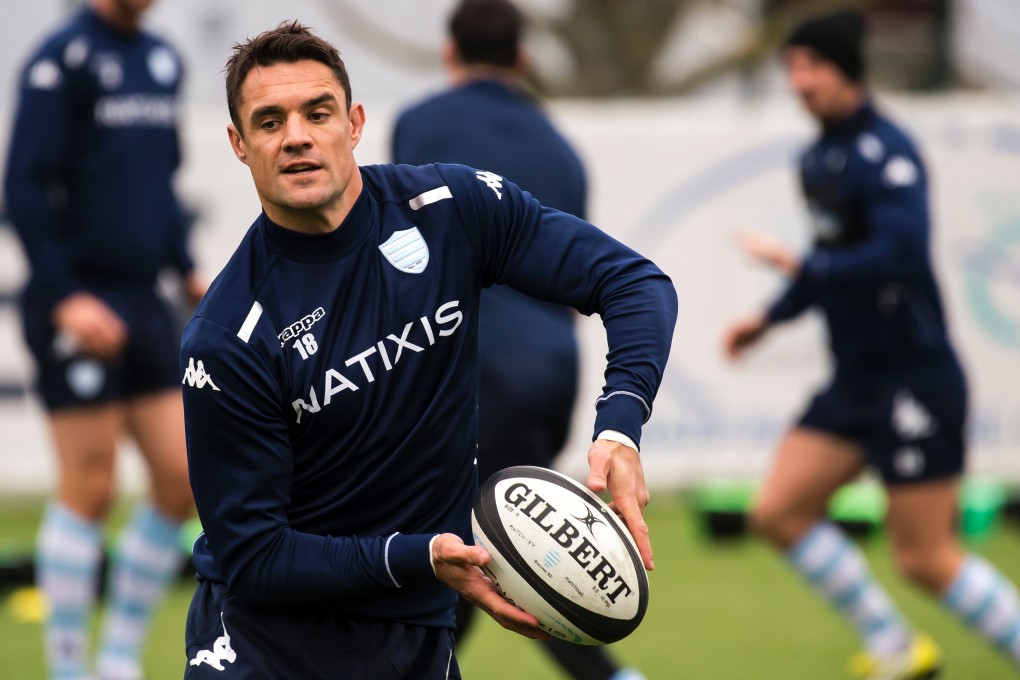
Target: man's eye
{"type": "Point", "coordinates": [318, 116]}
{"type": "Point", "coordinates": [270, 124]}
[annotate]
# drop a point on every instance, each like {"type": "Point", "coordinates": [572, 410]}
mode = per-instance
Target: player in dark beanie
{"type": "Point", "coordinates": [838, 38]}
{"type": "Point", "coordinates": [897, 400]}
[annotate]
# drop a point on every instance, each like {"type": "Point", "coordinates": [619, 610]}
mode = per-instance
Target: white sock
{"type": "Point", "coordinates": [68, 554]}
{"type": "Point", "coordinates": [147, 556]}
{"type": "Point", "coordinates": [987, 602]}
{"type": "Point", "coordinates": [837, 570]}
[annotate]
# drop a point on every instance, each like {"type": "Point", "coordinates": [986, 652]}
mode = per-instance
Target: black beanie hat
{"type": "Point", "coordinates": [836, 37]}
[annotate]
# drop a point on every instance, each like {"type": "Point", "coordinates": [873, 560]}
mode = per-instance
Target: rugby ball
{"type": "Point", "coordinates": [560, 554]}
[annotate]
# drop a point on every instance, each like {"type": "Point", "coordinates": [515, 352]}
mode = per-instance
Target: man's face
{"type": "Point", "coordinates": [133, 8]}
{"type": "Point", "coordinates": [822, 88]}
{"type": "Point", "coordinates": [298, 140]}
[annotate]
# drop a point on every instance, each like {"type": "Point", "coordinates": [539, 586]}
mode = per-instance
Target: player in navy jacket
{"type": "Point", "coordinates": [529, 360]}
{"type": "Point", "coordinates": [897, 399]}
{"type": "Point", "coordinates": [331, 381]}
{"type": "Point", "coordinates": [88, 188]}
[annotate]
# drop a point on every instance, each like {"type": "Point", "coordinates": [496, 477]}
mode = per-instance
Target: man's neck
{"type": "Point", "coordinates": [114, 15]}
{"type": "Point", "coordinates": [319, 220]}
{"type": "Point", "coordinates": [472, 73]}
{"type": "Point", "coordinates": [848, 105]}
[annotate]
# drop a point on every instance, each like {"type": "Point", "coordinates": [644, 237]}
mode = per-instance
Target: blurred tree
{"type": "Point", "coordinates": [614, 46]}
{"type": "Point", "coordinates": [616, 43]}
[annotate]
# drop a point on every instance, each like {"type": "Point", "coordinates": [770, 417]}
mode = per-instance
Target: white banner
{"type": "Point", "coordinates": [676, 181]}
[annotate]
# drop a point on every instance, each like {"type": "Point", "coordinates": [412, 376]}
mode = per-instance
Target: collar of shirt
{"type": "Point", "coordinates": [856, 122]}
{"type": "Point", "coordinates": [316, 248]}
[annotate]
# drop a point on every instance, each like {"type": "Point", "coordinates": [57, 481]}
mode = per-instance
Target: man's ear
{"type": "Point", "coordinates": [357, 117]}
{"type": "Point", "coordinates": [522, 62]}
{"type": "Point", "coordinates": [452, 61]}
{"type": "Point", "coordinates": [237, 143]}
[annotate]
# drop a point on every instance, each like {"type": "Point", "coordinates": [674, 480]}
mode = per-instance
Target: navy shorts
{"type": "Point", "coordinates": [149, 363]}
{"type": "Point", "coordinates": [909, 422]}
{"type": "Point", "coordinates": [230, 640]}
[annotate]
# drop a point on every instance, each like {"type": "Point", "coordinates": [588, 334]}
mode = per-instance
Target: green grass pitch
{"type": "Point", "coordinates": [729, 611]}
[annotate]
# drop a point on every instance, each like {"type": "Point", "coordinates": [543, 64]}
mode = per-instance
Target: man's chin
{"type": "Point", "coordinates": [305, 201]}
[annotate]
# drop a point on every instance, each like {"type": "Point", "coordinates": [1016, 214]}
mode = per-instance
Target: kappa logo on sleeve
{"type": "Point", "coordinates": [491, 180]}
{"type": "Point", "coordinates": [45, 75]}
{"type": "Point", "coordinates": [195, 375]}
{"type": "Point", "coordinates": [900, 171]}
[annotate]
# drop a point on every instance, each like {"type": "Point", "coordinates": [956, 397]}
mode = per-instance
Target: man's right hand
{"type": "Point", "coordinates": [744, 334]}
{"type": "Point", "coordinates": [767, 250]}
{"type": "Point", "coordinates": [459, 566]}
{"type": "Point", "coordinates": [92, 326]}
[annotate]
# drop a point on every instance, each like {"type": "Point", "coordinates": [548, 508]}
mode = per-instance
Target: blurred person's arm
{"type": "Point", "coordinates": [35, 186]}
{"type": "Point", "coordinates": [35, 192]}
{"type": "Point", "coordinates": [897, 243]}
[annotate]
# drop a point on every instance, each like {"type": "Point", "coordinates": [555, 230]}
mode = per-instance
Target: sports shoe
{"type": "Point", "coordinates": [922, 661]}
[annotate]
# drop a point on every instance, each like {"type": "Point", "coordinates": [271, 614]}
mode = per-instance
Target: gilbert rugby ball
{"type": "Point", "coordinates": [560, 554]}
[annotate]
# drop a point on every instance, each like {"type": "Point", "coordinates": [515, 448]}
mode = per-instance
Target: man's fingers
{"type": "Point", "coordinates": [598, 464]}
{"type": "Point", "coordinates": [462, 555]}
{"type": "Point", "coordinates": [630, 512]}
{"type": "Point", "coordinates": [509, 616]}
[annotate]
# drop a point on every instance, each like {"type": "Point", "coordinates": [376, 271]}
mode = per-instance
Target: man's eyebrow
{"type": "Point", "coordinates": [264, 111]}
{"type": "Point", "coordinates": [321, 99]}
{"type": "Point", "coordinates": [274, 109]}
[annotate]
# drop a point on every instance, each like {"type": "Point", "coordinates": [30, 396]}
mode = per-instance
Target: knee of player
{"type": "Point", "coordinates": [929, 568]}
{"type": "Point", "coordinates": [779, 525]}
{"type": "Point", "coordinates": [172, 497]}
{"type": "Point", "coordinates": [90, 496]}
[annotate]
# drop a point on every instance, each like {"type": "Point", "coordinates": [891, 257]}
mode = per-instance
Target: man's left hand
{"type": "Point", "coordinates": [617, 468]}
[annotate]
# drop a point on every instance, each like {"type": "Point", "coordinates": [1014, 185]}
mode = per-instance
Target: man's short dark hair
{"type": "Point", "coordinates": [287, 43]}
{"type": "Point", "coordinates": [837, 37]}
{"type": "Point", "coordinates": [487, 32]}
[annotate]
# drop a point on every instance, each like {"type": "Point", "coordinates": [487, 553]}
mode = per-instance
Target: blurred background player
{"type": "Point", "coordinates": [88, 188]}
{"type": "Point", "coordinates": [898, 396]}
{"type": "Point", "coordinates": [528, 347]}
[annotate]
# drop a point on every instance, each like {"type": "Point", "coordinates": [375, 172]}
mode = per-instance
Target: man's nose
{"type": "Point", "coordinates": [297, 134]}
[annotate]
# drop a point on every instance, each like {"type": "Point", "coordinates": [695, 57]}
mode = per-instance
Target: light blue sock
{"type": "Point", "coordinates": [628, 674]}
{"type": "Point", "coordinates": [987, 602]}
{"type": "Point", "coordinates": [837, 570]}
{"type": "Point", "coordinates": [147, 556]}
{"type": "Point", "coordinates": [68, 554]}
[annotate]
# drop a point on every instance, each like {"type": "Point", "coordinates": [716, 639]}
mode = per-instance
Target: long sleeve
{"type": "Point", "coordinates": [34, 186]}
{"type": "Point", "coordinates": [897, 243]}
{"type": "Point", "coordinates": [794, 299]}
{"type": "Point", "coordinates": [241, 464]}
{"type": "Point", "coordinates": [181, 256]}
{"type": "Point", "coordinates": [560, 258]}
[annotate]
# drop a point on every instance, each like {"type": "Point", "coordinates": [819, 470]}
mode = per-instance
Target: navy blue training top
{"type": "Point", "coordinates": [869, 270]}
{"type": "Point", "coordinates": [486, 124]}
{"type": "Point", "coordinates": [331, 382]}
{"type": "Point", "coordinates": [93, 152]}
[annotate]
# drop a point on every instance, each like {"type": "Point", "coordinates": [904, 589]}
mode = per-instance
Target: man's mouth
{"type": "Point", "coordinates": [300, 168]}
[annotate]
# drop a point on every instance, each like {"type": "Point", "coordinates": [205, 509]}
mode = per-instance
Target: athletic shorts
{"type": "Point", "coordinates": [230, 640]}
{"type": "Point", "coordinates": [148, 364]}
{"type": "Point", "coordinates": [909, 422]}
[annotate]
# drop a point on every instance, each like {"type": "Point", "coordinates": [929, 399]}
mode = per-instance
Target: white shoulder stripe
{"type": "Point", "coordinates": [249, 323]}
{"type": "Point", "coordinates": [431, 196]}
